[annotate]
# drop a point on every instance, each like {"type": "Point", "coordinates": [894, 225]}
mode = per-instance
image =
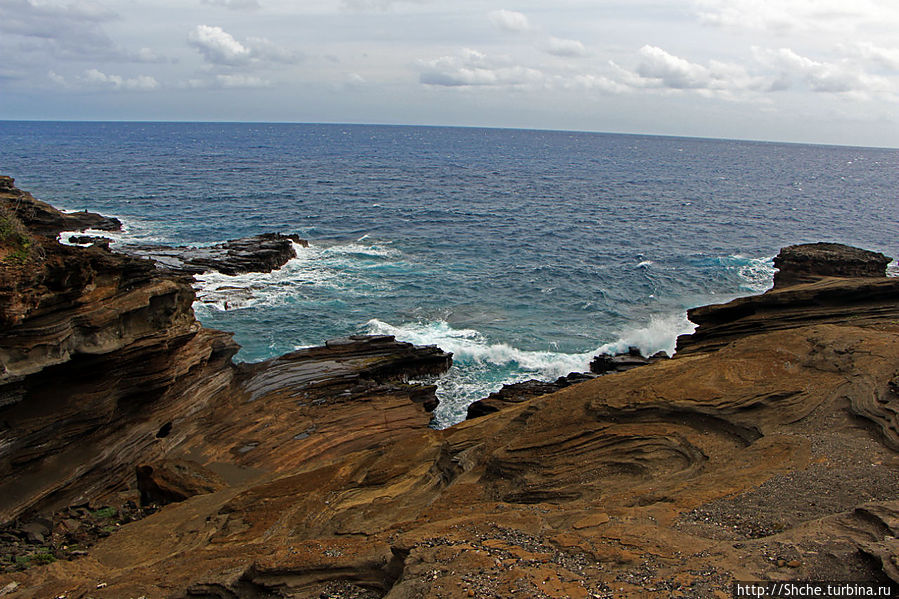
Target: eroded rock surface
{"type": "Point", "coordinates": [814, 287]}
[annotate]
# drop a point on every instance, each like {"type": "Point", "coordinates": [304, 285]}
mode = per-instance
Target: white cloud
{"type": "Point", "coordinates": [234, 4]}
{"type": "Point", "coordinates": [376, 4]}
{"type": "Point", "coordinates": [563, 47]}
{"type": "Point", "coordinates": [786, 16]}
{"type": "Point", "coordinates": [473, 68]}
{"type": "Point", "coordinates": [819, 76]}
{"type": "Point", "coordinates": [672, 71]}
{"type": "Point", "coordinates": [70, 30]}
{"type": "Point", "coordinates": [97, 78]}
{"type": "Point", "coordinates": [218, 46]}
{"type": "Point", "coordinates": [233, 81]}
{"type": "Point", "coordinates": [887, 58]}
{"type": "Point", "coordinates": [56, 78]}
{"type": "Point", "coordinates": [509, 20]}
{"type": "Point", "coordinates": [588, 82]}
{"type": "Point", "coordinates": [660, 69]}
{"type": "Point", "coordinates": [221, 48]}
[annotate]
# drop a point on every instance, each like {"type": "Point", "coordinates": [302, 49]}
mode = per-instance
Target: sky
{"type": "Point", "coordinates": [817, 71]}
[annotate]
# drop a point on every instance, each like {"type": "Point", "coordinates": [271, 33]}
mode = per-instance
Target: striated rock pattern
{"type": "Point", "coordinates": [810, 262]}
{"type": "Point", "coordinates": [104, 368]}
{"type": "Point", "coordinates": [764, 453]}
{"type": "Point", "coordinates": [260, 253]}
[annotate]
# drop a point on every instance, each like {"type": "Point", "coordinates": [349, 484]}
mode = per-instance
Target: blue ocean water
{"type": "Point", "coordinates": [523, 252]}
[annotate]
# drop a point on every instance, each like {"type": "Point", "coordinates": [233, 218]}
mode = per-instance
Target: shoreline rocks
{"type": "Point", "coordinates": [259, 253]}
{"type": "Point", "coordinates": [809, 290]}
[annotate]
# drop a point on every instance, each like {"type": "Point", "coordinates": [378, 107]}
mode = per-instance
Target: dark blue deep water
{"type": "Point", "coordinates": [523, 252]}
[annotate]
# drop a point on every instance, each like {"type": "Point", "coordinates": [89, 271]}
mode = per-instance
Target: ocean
{"type": "Point", "coordinates": [524, 253]}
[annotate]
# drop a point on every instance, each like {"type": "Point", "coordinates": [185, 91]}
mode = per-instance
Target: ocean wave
{"type": "Point", "coordinates": [757, 274]}
{"type": "Point", "coordinates": [314, 270]}
{"type": "Point", "coordinates": [235, 292]}
{"type": "Point", "coordinates": [481, 367]}
{"type": "Point", "coordinates": [469, 345]}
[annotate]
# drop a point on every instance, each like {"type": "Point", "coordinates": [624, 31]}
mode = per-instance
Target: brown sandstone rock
{"type": "Point", "coordinates": [169, 481]}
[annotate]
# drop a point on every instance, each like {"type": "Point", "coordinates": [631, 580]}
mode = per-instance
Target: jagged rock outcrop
{"type": "Point", "coordinates": [97, 351]}
{"type": "Point", "coordinates": [810, 262]}
{"type": "Point", "coordinates": [103, 367]}
{"type": "Point", "coordinates": [260, 253]}
{"type": "Point", "coordinates": [43, 219]}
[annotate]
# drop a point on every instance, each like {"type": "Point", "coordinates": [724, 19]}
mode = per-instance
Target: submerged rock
{"type": "Point", "coordinates": [621, 362]}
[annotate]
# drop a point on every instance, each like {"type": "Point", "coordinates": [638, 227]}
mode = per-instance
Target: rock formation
{"type": "Point", "coordinates": [516, 393]}
{"type": "Point", "coordinates": [810, 262]}
{"type": "Point", "coordinates": [43, 219]}
{"type": "Point", "coordinates": [766, 450]}
{"type": "Point", "coordinates": [260, 253]}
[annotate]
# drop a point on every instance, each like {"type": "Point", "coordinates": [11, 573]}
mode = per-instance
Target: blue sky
{"type": "Point", "coordinates": [821, 71]}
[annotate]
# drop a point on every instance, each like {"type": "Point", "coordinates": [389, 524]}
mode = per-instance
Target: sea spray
{"type": "Point", "coordinates": [481, 367]}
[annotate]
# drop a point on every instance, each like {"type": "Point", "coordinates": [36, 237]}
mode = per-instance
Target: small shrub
{"type": "Point", "coordinates": [43, 557]}
{"type": "Point", "coordinates": [14, 237]}
{"type": "Point", "coordinates": [105, 512]}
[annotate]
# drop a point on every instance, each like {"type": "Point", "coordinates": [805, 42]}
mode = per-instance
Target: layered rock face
{"type": "Point", "coordinates": [762, 453]}
{"type": "Point", "coordinates": [97, 352]}
{"type": "Point", "coordinates": [104, 368]}
{"type": "Point", "coordinates": [863, 297]}
{"type": "Point", "coordinates": [43, 219]}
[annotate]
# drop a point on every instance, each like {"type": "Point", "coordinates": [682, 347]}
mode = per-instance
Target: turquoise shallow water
{"type": "Point", "coordinates": [523, 252]}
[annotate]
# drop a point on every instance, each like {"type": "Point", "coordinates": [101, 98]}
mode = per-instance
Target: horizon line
{"type": "Point", "coordinates": [437, 126]}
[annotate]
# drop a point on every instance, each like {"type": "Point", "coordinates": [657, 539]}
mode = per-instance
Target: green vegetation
{"type": "Point", "coordinates": [15, 242]}
{"type": "Point", "coordinates": [105, 512]}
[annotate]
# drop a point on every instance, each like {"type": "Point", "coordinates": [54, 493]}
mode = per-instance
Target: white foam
{"type": "Point", "coordinates": [660, 334]}
{"type": "Point", "coordinates": [758, 273]}
{"type": "Point", "coordinates": [358, 249]}
{"type": "Point", "coordinates": [235, 292]}
{"type": "Point", "coordinates": [469, 345]}
{"type": "Point", "coordinates": [65, 237]}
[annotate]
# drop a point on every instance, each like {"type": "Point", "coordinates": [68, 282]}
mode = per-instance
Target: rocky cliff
{"type": "Point", "coordinates": [765, 450]}
{"type": "Point", "coordinates": [104, 367]}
